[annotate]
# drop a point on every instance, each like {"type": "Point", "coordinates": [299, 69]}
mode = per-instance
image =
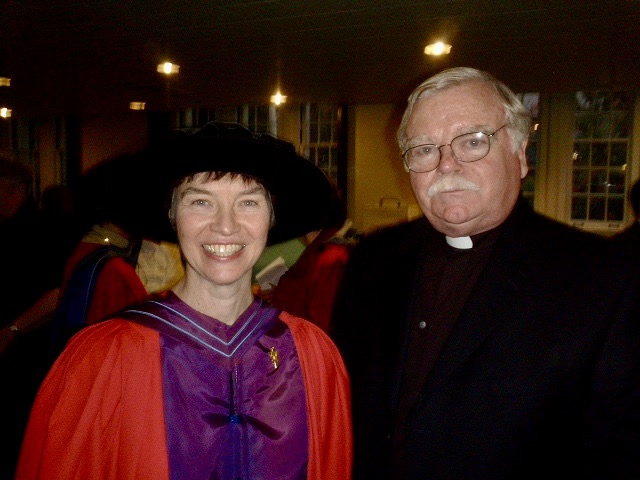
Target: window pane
{"type": "Point", "coordinates": [621, 124]}
{"type": "Point", "coordinates": [326, 131]}
{"type": "Point", "coordinates": [579, 208]}
{"type": "Point", "coordinates": [325, 113]}
{"type": "Point", "coordinates": [618, 154]}
{"type": "Point", "coordinates": [617, 181]}
{"type": "Point", "coordinates": [313, 132]}
{"type": "Point", "coordinates": [599, 182]}
{"type": "Point", "coordinates": [580, 181]}
{"type": "Point", "coordinates": [581, 154]}
{"type": "Point", "coordinates": [584, 125]}
{"type": "Point", "coordinates": [596, 208]}
{"type": "Point", "coordinates": [615, 209]}
{"type": "Point", "coordinates": [599, 154]}
{"type": "Point", "coordinates": [602, 126]}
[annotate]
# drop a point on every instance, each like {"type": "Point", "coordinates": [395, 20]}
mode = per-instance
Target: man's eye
{"type": "Point", "coordinates": [424, 150]}
{"type": "Point", "coordinates": [473, 141]}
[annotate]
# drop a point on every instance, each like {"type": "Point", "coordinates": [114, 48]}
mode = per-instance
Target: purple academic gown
{"type": "Point", "coordinates": [234, 396]}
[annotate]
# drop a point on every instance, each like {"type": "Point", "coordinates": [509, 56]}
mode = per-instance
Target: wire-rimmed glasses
{"type": "Point", "coordinates": [467, 148]}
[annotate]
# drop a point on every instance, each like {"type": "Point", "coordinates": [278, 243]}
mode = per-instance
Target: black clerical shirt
{"type": "Point", "coordinates": [445, 278]}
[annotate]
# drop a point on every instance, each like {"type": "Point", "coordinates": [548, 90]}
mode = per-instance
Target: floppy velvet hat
{"type": "Point", "coordinates": [303, 196]}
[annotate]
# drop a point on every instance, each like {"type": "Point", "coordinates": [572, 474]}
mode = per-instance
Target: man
{"type": "Point", "coordinates": [485, 341]}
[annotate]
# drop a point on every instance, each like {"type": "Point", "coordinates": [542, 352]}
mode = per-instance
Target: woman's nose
{"type": "Point", "coordinates": [225, 221]}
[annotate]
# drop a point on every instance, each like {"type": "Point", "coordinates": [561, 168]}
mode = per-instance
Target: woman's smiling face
{"type": "Point", "coordinates": [222, 226]}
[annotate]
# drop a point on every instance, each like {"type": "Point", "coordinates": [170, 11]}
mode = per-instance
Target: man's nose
{"type": "Point", "coordinates": [448, 160]}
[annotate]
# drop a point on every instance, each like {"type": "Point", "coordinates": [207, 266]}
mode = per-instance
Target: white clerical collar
{"type": "Point", "coordinates": [463, 243]}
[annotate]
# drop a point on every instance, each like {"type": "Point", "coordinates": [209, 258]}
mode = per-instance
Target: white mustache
{"type": "Point", "coordinates": [449, 183]}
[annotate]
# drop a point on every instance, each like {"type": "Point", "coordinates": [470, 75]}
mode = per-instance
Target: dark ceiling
{"type": "Point", "coordinates": [94, 56]}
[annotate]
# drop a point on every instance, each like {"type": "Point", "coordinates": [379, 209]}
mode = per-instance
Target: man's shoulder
{"type": "Point", "coordinates": [541, 230]}
{"type": "Point", "coordinates": [405, 235]}
{"type": "Point", "coordinates": [389, 253]}
{"type": "Point", "coordinates": [630, 236]}
{"type": "Point", "coordinates": [545, 244]}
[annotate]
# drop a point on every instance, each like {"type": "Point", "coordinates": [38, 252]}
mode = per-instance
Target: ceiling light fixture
{"type": "Point", "coordinates": [278, 98]}
{"type": "Point", "coordinates": [168, 68]}
{"type": "Point", "coordinates": [5, 112]}
{"type": "Point", "coordinates": [438, 48]}
{"type": "Point", "coordinates": [5, 82]}
{"type": "Point", "coordinates": [136, 105]}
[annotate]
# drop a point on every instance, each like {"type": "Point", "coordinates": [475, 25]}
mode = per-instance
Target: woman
{"type": "Point", "coordinates": [205, 381]}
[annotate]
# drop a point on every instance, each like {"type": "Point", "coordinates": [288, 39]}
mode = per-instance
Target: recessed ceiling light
{"type": "Point", "coordinates": [278, 98]}
{"type": "Point", "coordinates": [136, 105]}
{"type": "Point", "coordinates": [438, 48]}
{"type": "Point", "coordinates": [168, 68]}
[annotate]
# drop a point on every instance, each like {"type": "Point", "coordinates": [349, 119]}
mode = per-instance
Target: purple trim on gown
{"type": "Point", "coordinates": [229, 413]}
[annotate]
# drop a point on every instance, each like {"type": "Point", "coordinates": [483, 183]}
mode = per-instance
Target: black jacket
{"type": "Point", "coordinates": [540, 377]}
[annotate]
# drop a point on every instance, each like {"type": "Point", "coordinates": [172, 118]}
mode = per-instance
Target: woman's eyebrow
{"type": "Point", "coordinates": [255, 189]}
{"type": "Point", "coordinates": [194, 190]}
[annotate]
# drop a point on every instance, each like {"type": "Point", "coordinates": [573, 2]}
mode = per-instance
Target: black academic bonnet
{"type": "Point", "coordinates": [302, 194]}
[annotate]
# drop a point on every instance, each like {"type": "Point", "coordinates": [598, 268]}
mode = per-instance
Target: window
{"type": "Point", "coordinates": [601, 151]}
{"type": "Point", "coordinates": [320, 130]}
{"type": "Point", "coordinates": [257, 118]}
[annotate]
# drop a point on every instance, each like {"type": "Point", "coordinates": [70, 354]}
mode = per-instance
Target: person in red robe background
{"type": "Point", "coordinates": [127, 254]}
{"type": "Point", "coordinates": [205, 380]}
{"type": "Point", "coordinates": [309, 287]}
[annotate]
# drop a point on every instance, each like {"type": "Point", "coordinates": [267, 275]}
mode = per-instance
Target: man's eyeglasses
{"type": "Point", "coordinates": [469, 147]}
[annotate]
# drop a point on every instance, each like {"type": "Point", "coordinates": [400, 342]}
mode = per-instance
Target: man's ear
{"type": "Point", "coordinates": [522, 157]}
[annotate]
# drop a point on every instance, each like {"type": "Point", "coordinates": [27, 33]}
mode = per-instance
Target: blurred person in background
{"type": "Point", "coordinates": [33, 247]}
{"type": "Point", "coordinates": [308, 288]}
{"type": "Point", "coordinates": [129, 253]}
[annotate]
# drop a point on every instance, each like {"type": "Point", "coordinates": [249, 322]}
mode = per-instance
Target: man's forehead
{"type": "Point", "coordinates": [429, 120]}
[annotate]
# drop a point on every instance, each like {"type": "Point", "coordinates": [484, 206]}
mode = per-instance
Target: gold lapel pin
{"type": "Point", "coordinates": [275, 357]}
